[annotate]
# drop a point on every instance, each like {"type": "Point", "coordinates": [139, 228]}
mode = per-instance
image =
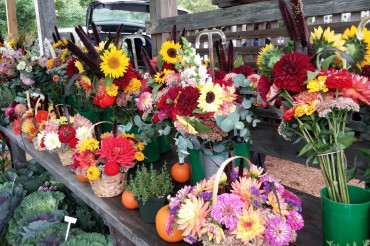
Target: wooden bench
{"type": "Point", "coordinates": [126, 226]}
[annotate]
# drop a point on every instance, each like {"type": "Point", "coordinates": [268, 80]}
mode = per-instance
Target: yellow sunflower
{"type": "Point", "coordinates": [358, 49]}
{"type": "Point", "coordinates": [161, 76]}
{"type": "Point", "coordinates": [133, 86]}
{"type": "Point", "coordinates": [211, 97]}
{"type": "Point", "coordinates": [326, 38]}
{"type": "Point", "coordinates": [267, 57]}
{"type": "Point", "coordinates": [169, 52]}
{"type": "Point", "coordinates": [115, 63]}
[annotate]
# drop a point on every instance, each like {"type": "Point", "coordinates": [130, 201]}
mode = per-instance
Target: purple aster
{"type": "Point", "coordinates": [18, 53]}
{"type": "Point", "coordinates": [234, 175]}
{"type": "Point", "coordinates": [264, 198]}
{"type": "Point", "coordinates": [256, 203]}
{"type": "Point", "coordinates": [278, 232]}
{"type": "Point", "coordinates": [169, 226]}
{"type": "Point", "coordinates": [255, 191]}
{"type": "Point", "coordinates": [295, 220]}
{"type": "Point", "coordinates": [189, 239]}
{"type": "Point", "coordinates": [206, 195]}
{"type": "Point", "coordinates": [226, 209]}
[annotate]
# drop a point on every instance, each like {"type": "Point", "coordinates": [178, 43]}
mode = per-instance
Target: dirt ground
{"type": "Point", "coordinates": [298, 176]}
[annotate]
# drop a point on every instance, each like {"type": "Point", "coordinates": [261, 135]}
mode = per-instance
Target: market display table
{"type": "Point", "coordinates": [126, 226]}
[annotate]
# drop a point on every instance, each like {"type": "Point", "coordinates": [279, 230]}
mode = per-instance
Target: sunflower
{"type": "Point", "coordinates": [115, 63]}
{"type": "Point", "coordinates": [324, 39]}
{"type": "Point", "coordinates": [267, 58]}
{"type": "Point", "coordinates": [169, 51]}
{"type": "Point", "coordinates": [211, 97]}
{"type": "Point", "coordinates": [358, 49]}
{"type": "Point", "coordinates": [161, 76]}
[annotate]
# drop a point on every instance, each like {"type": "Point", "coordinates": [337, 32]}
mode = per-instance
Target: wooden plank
{"type": "Point", "coordinates": [11, 16]}
{"type": "Point", "coordinates": [127, 224]}
{"type": "Point", "coordinates": [251, 13]}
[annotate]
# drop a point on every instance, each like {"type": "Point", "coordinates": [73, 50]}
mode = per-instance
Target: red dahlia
{"type": "Point", "coordinates": [244, 69]}
{"type": "Point", "coordinates": [168, 66]}
{"type": "Point", "coordinates": [66, 133]}
{"type": "Point", "coordinates": [291, 71]}
{"type": "Point", "coordinates": [366, 71]}
{"type": "Point", "coordinates": [223, 82]}
{"type": "Point", "coordinates": [187, 101]}
{"type": "Point", "coordinates": [263, 87]}
{"type": "Point", "coordinates": [71, 68]}
{"type": "Point", "coordinates": [122, 82]}
{"type": "Point", "coordinates": [111, 168]}
{"type": "Point", "coordinates": [119, 150]}
{"type": "Point", "coordinates": [220, 75]}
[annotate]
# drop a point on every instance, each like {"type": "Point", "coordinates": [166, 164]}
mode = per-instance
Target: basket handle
{"type": "Point", "coordinates": [219, 173]}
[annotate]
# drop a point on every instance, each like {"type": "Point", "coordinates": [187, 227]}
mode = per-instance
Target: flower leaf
{"type": "Point", "coordinates": [326, 63]}
{"type": "Point", "coordinates": [160, 62]}
{"type": "Point", "coordinates": [200, 127]}
{"type": "Point", "coordinates": [219, 148]}
{"type": "Point", "coordinates": [305, 149]}
{"type": "Point", "coordinates": [227, 125]}
{"type": "Point", "coordinates": [345, 141]}
{"type": "Point", "coordinates": [155, 89]}
{"type": "Point", "coordinates": [311, 76]}
{"type": "Point", "coordinates": [108, 81]}
{"type": "Point", "coordinates": [238, 62]}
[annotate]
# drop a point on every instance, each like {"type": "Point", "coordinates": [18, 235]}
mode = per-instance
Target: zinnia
{"type": "Point", "coordinates": [277, 232]}
{"type": "Point", "coordinates": [111, 168]}
{"type": "Point", "coordinates": [291, 71]}
{"type": "Point", "coordinates": [66, 133]}
{"type": "Point", "coordinates": [226, 209]}
{"type": "Point", "coordinates": [41, 116]}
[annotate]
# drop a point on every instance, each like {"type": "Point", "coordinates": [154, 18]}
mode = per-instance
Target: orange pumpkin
{"type": "Point", "coordinates": [82, 178]}
{"type": "Point", "coordinates": [181, 172]}
{"type": "Point", "coordinates": [128, 200]}
{"type": "Point", "coordinates": [160, 225]}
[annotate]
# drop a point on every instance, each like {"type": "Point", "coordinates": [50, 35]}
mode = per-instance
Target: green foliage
{"type": "Point", "coordinates": [4, 160]}
{"type": "Point", "coordinates": [69, 13]}
{"type": "Point", "coordinates": [89, 239]}
{"type": "Point", "coordinates": [150, 183]}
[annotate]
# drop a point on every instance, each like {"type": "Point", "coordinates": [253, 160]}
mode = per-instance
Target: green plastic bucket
{"type": "Point", "coordinates": [152, 151]}
{"type": "Point", "coordinates": [164, 143]}
{"type": "Point", "coordinates": [346, 224]}
{"type": "Point", "coordinates": [151, 208]}
{"type": "Point", "coordinates": [106, 115]}
{"type": "Point", "coordinates": [196, 164]}
{"type": "Point", "coordinates": [242, 149]}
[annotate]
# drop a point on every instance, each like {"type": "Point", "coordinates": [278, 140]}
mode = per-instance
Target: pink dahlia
{"type": "Point", "coordinates": [20, 109]}
{"type": "Point", "coordinates": [79, 121]}
{"type": "Point", "coordinates": [359, 90]}
{"type": "Point", "coordinates": [51, 126]}
{"type": "Point", "coordinates": [118, 149]}
{"type": "Point", "coordinates": [295, 220]}
{"type": "Point", "coordinates": [145, 101]}
{"type": "Point", "coordinates": [278, 232]}
{"type": "Point", "coordinates": [291, 71]}
{"type": "Point", "coordinates": [226, 209]}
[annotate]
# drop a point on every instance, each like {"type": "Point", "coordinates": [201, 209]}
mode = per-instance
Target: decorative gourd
{"type": "Point", "coordinates": [82, 178]}
{"type": "Point", "coordinates": [160, 225]}
{"type": "Point", "coordinates": [181, 172]}
{"type": "Point", "coordinates": [128, 200]}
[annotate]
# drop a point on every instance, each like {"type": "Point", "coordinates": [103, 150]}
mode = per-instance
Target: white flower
{"type": "Point", "coordinates": [39, 137]}
{"type": "Point", "coordinates": [21, 65]}
{"type": "Point", "coordinates": [197, 60]}
{"type": "Point", "coordinates": [34, 58]}
{"type": "Point", "coordinates": [52, 141]}
{"type": "Point", "coordinates": [29, 69]}
{"type": "Point", "coordinates": [82, 133]}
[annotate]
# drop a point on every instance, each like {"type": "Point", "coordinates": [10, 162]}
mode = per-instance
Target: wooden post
{"type": "Point", "coordinates": [161, 9]}
{"type": "Point", "coordinates": [46, 20]}
{"type": "Point", "coordinates": [11, 16]}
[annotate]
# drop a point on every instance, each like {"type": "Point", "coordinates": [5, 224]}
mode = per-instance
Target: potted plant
{"type": "Point", "coordinates": [150, 188]}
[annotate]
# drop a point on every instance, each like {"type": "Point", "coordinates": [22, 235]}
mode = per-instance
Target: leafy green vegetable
{"type": "Point", "coordinates": [89, 239]}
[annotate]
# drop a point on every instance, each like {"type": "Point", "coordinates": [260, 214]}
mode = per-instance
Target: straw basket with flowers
{"type": "Point", "coordinates": [239, 208]}
{"type": "Point", "coordinates": [106, 158]}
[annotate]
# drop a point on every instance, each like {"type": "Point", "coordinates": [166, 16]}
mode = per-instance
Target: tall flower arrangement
{"type": "Point", "coordinates": [254, 210]}
{"type": "Point", "coordinates": [315, 96]}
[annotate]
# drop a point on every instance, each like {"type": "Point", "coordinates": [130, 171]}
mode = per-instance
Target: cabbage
{"type": "Point", "coordinates": [89, 239]}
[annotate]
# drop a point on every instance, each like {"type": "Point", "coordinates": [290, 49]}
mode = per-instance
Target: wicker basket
{"type": "Point", "coordinates": [66, 156]}
{"type": "Point", "coordinates": [36, 145]}
{"type": "Point", "coordinates": [109, 186]}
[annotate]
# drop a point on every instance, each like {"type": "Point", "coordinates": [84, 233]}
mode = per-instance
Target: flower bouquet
{"type": "Point", "coordinates": [239, 208]}
{"type": "Point", "coordinates": [106, 74]}
{"type": "Point", "coordinates": [105, 159]}
{"type": "Point", "coordinates": [62, 133]}
{"type": "Point", "coordinates": [316, 95]}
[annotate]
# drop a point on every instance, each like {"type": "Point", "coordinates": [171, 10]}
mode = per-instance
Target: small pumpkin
{"type": "Point", "coordinates": [181, 172]}
{"type": "Point", "coordinates": [128, 200]}
{"type": "Point", "coordinates": [160, 225]}
{"type": "Point", "coordinates": [82, 178]}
